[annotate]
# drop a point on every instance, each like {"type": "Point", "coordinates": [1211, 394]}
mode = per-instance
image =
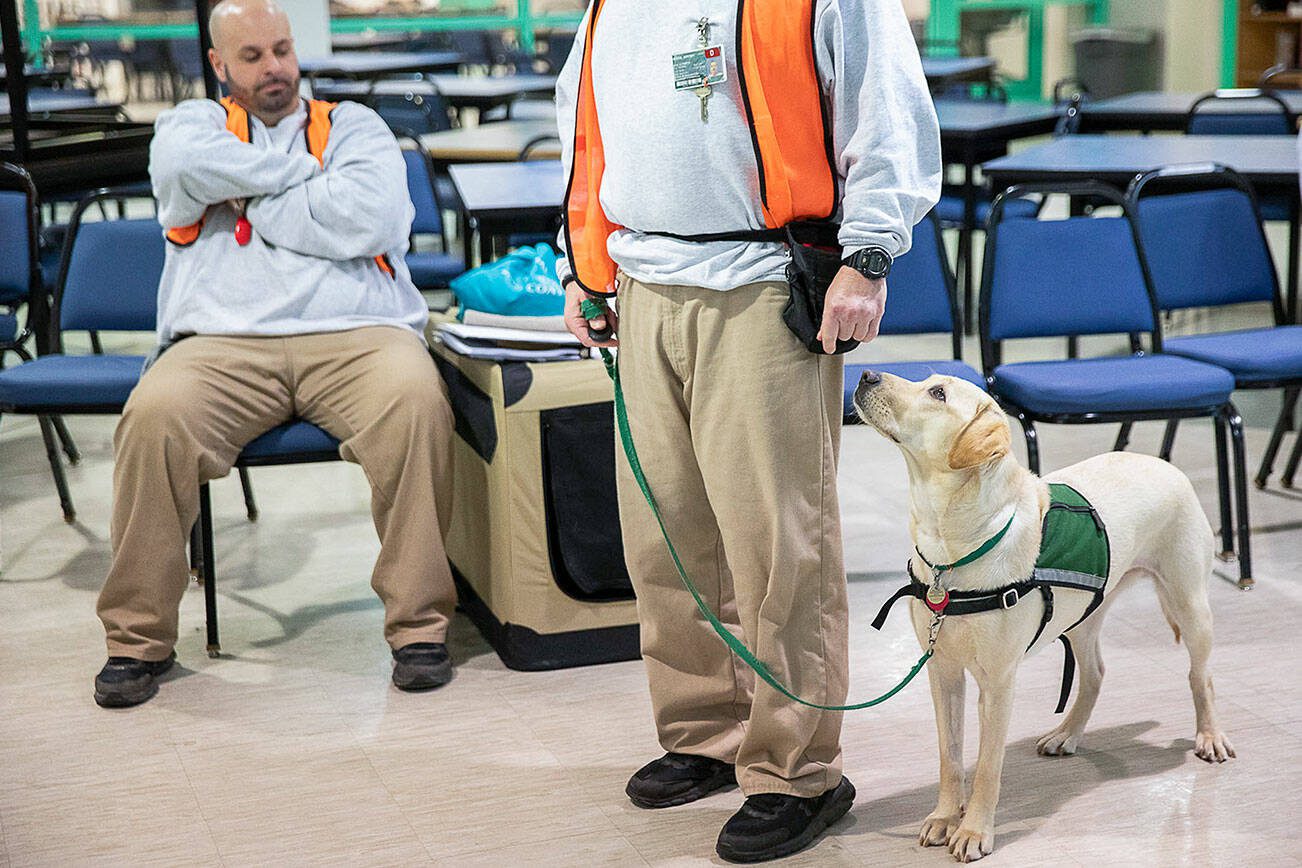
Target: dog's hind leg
{"type": "Point", "coordinates": [1084, 639]}
{"type": "Point", "coordinates": [1182, 591]}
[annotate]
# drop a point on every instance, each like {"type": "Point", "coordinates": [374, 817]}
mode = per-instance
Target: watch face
{"type": "Point", "coordinates": [878, 263]}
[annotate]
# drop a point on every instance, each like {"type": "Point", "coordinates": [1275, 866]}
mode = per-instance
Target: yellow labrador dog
{"type": "Point", "coordinates": [964, 486]}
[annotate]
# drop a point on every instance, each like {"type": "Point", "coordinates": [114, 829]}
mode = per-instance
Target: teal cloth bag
{"type": "Point", "coordinates": [522, 283]}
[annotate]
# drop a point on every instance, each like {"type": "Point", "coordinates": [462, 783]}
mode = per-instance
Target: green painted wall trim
{"type": "Point", "coordinates": [1229, 42]}
{"type": "Point", "coordinates": [527, 26]}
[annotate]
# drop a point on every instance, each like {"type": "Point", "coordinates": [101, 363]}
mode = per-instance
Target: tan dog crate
{"type": "Point", "coordinates": [534, 537]}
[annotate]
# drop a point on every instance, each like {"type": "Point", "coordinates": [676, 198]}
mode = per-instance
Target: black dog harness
{"type": "Point", "coordinates": [1074, 554]}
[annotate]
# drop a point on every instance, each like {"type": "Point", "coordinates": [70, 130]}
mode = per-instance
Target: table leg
{"type": "Point", "coordinates": [1290, 304]}
{"type": "Point", "coordinates": [965, 239]}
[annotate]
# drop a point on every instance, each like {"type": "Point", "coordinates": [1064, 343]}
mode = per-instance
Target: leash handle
{"type": "Point", "coordinates": [593, 308]}
{"type": "Point", "coordinates": [736, 645]}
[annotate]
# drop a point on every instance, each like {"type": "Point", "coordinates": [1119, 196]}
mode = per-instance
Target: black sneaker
{"type": "Point", "coordinates": [679, 778]}
{"type": "Point", "coordinates": [772, 825]}
{"type": "Point", "coordinates": [126, 681]}
{"type": "Point", "coordinates": [421, 666]}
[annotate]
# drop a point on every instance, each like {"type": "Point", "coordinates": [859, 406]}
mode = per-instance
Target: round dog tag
{"type": "Point", "coordinates": [937, 599]}
{"type": "Point", "coordinates": [243, 231]}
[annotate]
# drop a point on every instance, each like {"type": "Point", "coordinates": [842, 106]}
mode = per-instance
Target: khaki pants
{"type": "Point", "coordinates": [375, 389]}
{"type": "Point", "coordinates": [738, 427]}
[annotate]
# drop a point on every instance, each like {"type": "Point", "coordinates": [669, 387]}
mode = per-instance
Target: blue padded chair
{"type": "Point", "coordinates": [923, 300]}
{"type": "Point", "coordinates": [293, 442]}
{"type": "Point", "coordinates": [1252, 112]}
{"type": "Point", "coordinates": [1206, 247]}
{"type": "Point", "coordinates": [429, 270]}
{"type": "Point", "coordinates": [1089, 276]}
{"type": "Point", "coordinates": [108, 280]}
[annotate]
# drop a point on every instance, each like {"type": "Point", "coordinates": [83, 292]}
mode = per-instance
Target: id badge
{"type": "Point", "coordinates": [704, 67]}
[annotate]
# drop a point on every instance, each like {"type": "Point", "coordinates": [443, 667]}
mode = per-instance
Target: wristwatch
{"type": "Point", "coordinates": [872, 262]}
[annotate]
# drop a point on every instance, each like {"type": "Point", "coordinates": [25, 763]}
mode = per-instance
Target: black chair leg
{"type": "Point", "coordinates": [209, 571]}
{"type": "Point", "coordinates": [1282, 424]}
{"type": "Point", "coordinates": [1032, 444]}
{"type": "Point", "coordinates": [95, 346]}
{"type": "Point", "coordinates": [1294, 458]}
{"type": "Point", "coordinates": [250, 505]}
{"type": "Point", "coordinates": [1168, 438]}
{"type": "Point", "coordinates": [1123, 437]}
{"type": "Point", "coordinates": [196, 553]}
{"type": "Point", "coordinates": [69, 448]}
{"type": "Point", "coordinates": [1241, 499]}
{"type": "Point", "coordinates": [56, 467]}
{"type": "Point", "coordinates": [1223, 489]}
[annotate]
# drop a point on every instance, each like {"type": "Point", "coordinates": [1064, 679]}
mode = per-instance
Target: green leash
{"type": "Point", "coordinates": [591, 310]}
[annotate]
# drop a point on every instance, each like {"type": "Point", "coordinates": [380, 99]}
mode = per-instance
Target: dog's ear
{"type": "Point", "coordinates": [983, 439]}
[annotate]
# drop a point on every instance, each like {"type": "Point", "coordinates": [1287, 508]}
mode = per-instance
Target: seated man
{"type": "Point", "coordinates": [284, 295]}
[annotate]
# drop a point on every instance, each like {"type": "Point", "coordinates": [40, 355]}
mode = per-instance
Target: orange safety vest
{"type": "Point", "coordinates": [317, 133]}
{"type": "Point", "coordinates": [791, 131]}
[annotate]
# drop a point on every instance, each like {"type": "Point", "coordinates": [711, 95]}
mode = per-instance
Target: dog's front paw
{"type": "Point", "coordinates": [1213, 746]}
{"type": "Point", "coordinates": [1060, 742]}
{"type": "Point", "coordinates": [938, 828]}
{"type": "Point", "coordinates": [968, 844]}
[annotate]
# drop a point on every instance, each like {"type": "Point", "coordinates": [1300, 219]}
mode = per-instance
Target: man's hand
{"type": "Point", "coordinates": [578, 325]}
{"type": "Point", "coordinates": [852, 310]}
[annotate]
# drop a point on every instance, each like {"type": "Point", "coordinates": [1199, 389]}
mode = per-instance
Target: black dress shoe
{"type": "Point", "coordinates": [771, 825]}
{"type": "Point", "coordinates": [679, 778]}
{"type": "Point", "coordinates": [126, 681]}
{"type": "Point", "coordinates": [421, 666]}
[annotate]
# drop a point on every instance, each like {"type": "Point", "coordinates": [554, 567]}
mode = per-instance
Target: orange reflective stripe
{"type": "Point", "coordinates": [317, 131]}
{"type": "Point", "coordinates": [184, 236]}
{"type": "Point", "coordinates": [790, 126]}
{"type": "Point", "coordinates": [383, 261]}
{"type": "Point", "coordinates": [237, 119]}
{"type": "Point", "coordinates": [586, 224]}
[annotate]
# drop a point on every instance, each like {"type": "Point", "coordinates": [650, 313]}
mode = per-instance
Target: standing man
{"type": "Point", "coordinates": [678, 124]}
{"type": "Point", "coordinates": [284, 295]}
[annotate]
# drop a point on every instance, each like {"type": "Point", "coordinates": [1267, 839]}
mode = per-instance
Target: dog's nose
{"type": "Point", "coordinates": [870, 379]}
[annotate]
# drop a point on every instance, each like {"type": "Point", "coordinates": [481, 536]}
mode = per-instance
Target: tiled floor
{"type": "Point", "coordinates": [294, 748]}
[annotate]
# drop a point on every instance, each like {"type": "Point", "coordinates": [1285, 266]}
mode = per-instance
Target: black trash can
{"type": "Point", "coordinates": [1113, 61]}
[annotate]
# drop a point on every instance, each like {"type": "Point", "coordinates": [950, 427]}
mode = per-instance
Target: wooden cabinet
{"type": "Point", "coordinates": [1264, 40]}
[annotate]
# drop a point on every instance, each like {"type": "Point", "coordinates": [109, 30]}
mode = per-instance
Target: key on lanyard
{"type": "Point", "coordinates": [704, 92]}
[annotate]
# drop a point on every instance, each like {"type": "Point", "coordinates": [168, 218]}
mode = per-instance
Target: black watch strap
{"type": "Point", "coordinates": [872, 262]}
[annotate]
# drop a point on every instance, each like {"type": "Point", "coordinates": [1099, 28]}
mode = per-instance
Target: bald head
{"type": "Point", "coordinates": [253, 55]}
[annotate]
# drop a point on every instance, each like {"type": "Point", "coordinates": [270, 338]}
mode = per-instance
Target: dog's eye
{"type": "Point", "coordinates": [937, 392]}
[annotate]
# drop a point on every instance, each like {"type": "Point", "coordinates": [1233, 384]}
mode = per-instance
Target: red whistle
{"type": "Point", "coordinates": [243, 231]}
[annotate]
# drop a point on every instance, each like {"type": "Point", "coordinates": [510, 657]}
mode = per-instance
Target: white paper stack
{"type": "Point", "coordinates": [509, 344]}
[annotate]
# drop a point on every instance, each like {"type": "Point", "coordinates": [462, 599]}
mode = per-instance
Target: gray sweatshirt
{"type": "Point", "coordinates": [310, 264]}
{"type": "Point", "coordinates": [668, 171]}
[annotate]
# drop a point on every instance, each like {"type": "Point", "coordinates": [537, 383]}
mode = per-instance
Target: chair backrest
{"type": "Point", "coordinates": [416, 113]}
{"type": "Point", "coordinates": [420, 188]}
{"type": "Point", "coordinates": [1281, 77]}
{"type": "Point", "coordinates": [921, 287]}
{"type": "Point", "coordinates": [1203, 238]}
{"type": "Point", "coordinates": [1055, 278]}
{"type": "Point", "coordinates": [18, 235]}
{"type": "Point", "coordinates": [108, 280]}
{"type": "Point", "coordinates": [1240, 112]}
{"type": "Point", "coordinates": [1066, 90]}
{"type": "Point", "coordinates": [1069, 123]}
{"type": "Point", "coordinates": [527, 152]}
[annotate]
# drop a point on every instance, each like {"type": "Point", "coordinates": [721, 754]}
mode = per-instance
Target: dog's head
{"type": "Point", "coordinates": [942, 424]}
